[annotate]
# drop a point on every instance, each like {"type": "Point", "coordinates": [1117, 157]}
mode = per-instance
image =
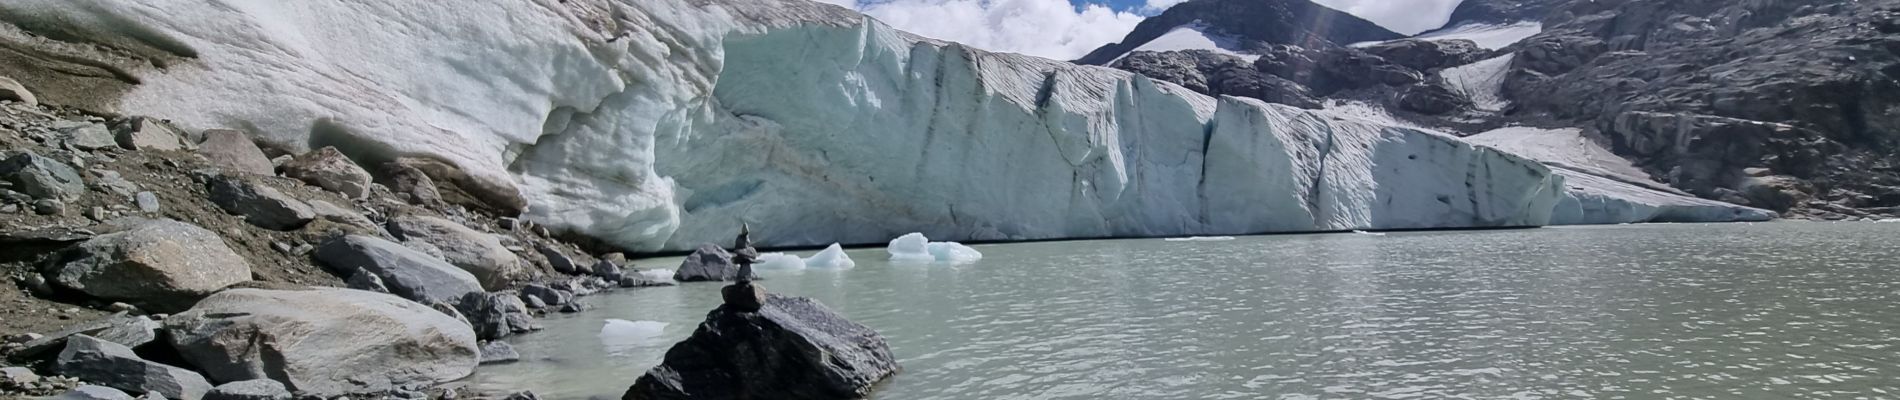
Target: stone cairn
{"type": "Point", "coordinates": [743, 295]}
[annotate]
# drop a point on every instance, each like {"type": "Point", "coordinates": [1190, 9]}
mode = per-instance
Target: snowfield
{"type": "Point", "coordinates": [1192, 37]}
{"type": "Point", "coordinates": [661, 124]}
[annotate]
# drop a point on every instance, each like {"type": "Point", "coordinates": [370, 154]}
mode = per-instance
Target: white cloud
{"type": "Point", "coordinates": [1047, 28]}
{"type": "Point", "coordinates": [1403, 16]}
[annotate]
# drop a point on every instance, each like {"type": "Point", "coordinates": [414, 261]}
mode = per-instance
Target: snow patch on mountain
{"type": "Point", "coordinates": [1482, 82]}
{"type": "Point", "coordinates": [1487, 36]}
{"type": "Point", "coordinates": [1194, 36]}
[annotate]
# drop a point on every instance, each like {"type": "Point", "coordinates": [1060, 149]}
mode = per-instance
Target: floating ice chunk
{"type": "Point", "coordinates": [1888, 220]}
{"type": "Point", "coordinates": [1201, 239]}
{"type": "Point", "coordinates": [953, 252]}
{"type": "Point", "coordinates": [917, 248]}
{"type": "Point", "coordinates": [832, 257]}
{"type": "Point", "coordinates": [620, 332]}
{"type": "Point", "coordinates": [658, 275]}
{"type": "Point", "coordinates": [1368, 233]}
{"type": "Point", "coordinates": [780, 261]}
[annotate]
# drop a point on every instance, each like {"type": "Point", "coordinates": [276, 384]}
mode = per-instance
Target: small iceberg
{"type": "Point", "coordinates": [1368, 233]}
{"type": "Point", "coordinates": [620, 332]}
{"type": "Point", "coordinates": [780, 262]}
{"type": "Point", "coordinates": [915, 247]}
{"type": "Point", "coordinates": [1888, 220]}
{"type": "Point", "coordinates": [832, 257]}
{"type": "Point", "coordinates": [657, 275]}
{"type": "Point", "coordinates": [1201, 239]}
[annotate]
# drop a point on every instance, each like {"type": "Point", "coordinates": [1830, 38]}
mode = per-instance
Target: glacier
{"type": "Point", "coordinates": [657, 125]}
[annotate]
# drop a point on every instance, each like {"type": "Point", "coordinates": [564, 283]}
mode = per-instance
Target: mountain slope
{"type": "Point", "coordinates": [1252, 22]}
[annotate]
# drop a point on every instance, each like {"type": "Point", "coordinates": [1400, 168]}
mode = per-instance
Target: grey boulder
{"type": "Point", "coordinates": [110, 364]}
{"type": "Point", "coordinates": [479, 253]}
{"type": "Point", "coordinates": [323, 342]}
{"type": "Point", "coordinates": [259, 204]}
{"type": "Point", "coordinates": [708, 263]}
{"type": "Point", "coordinates": [406, 272]}
{"type": "Point", "coordinates": [496, 315]}
{"type": "Point", "coordinates": [41, 177]}
{"type": "Point", "coordinates": [93, 392]}
{"type": "Point", "coordinates": [159, 265]}
{"type": "Point", "coordinates": [86, 135]}
{"type": "Point", "coordinates": [146, 133]}
{"type": "Point", "coordinates": [329, 169]}
{"type": "Point", "coordinates": [792, 348]}
{"type": "Point", "coordinates": [233, 150]}
{"type": "Point", "coordinates": [499, 352]}
{"type": "Point", "coordinates": [255, 389]}
{"type": "Point", "coordinates": [124, 329]}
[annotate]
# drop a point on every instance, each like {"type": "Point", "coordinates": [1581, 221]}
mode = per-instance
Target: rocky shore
{"type": "Point", "coordinates": [152, 262]}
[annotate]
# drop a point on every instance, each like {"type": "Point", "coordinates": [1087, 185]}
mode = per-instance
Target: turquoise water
{"type": "Point", "coordinates": [1774, 310]}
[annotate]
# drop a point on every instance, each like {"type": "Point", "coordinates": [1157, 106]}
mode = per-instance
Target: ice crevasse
{"type": "Point", "coordinates": [661, 124]}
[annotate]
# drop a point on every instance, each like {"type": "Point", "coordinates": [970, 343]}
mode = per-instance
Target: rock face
{"type": "Point", "coordinates": [41, 177]}
{"type": "Point", "coordinates": [793, 348]}
{"type": "Point", "coordinates": [325, 342]}
{"type": "Point", "coordinates": [234, 150]}
{"type": "Point", "coordinates": [479, 253]}
{"type": "Point", "coordinates": [708, 263]}
{"type": "Point", "coordinates": [329, 169]}
{"type": "Point", "coordinates": [407, 273]}
{"type": "Point", "coordinates": [159, 265]}
{"type": "Point", "coordinates": [1254, 21]}
{"type": "Point", "coordinates": [259, 204]}
{"type": "Point", "coordinates": [110, 364]}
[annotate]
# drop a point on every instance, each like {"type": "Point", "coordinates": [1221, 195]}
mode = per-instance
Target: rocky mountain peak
{"type": "Point", "coordinates": [1255, 23]}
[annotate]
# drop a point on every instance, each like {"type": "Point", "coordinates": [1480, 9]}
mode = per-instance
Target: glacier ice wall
{"type": "Point", "coordinates": [660, 124]}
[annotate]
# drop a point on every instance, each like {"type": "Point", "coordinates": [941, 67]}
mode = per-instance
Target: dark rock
{"type": "Point", "coordinates": [456, 186]}
{"type": "Point", "coordinates": [558, 260]}
{"type": "Point", "coordinates": [113, 365]}
{"type": "Point", "coordinates": [1271, 22]}
{"type": "Point", "coordinates": [41, 177]}
{"type": "Point", "coordinates": [259, 204]}
{"type": "Point", "coordinates": [144, 133]}
{"type": "Point", "coordinates": [329, 169]}
{"type": "Point", "coordinates": [1215, 74]}
{"type": "Point", "coordinates": [522, 395]}
{"type": "Point", "coordinates": [49, 207]}
{"type": "Point", "coordinates": [1431, 99]}
{"type": "Point", "coordinates": [323, 342]}
{"type": "Point", "coordinates": [406, 272]}
{"type": "Point", "coordinates": [743, 297]}
{"type": "Point", "coordinates": [93, 392]}
{"type": "Point", "coordinates": [497, 315]}
{"type": "Point", "coordinates": [708, 263]}
{"type": "Point", "coordinates": [478, 253]}
{"type": "Point", "coordinates": [159, 265]}
{"type": "Point", "coordinates": [607, 270]}
{"type": "Point", "coordinates": [574, 307]}
{"type": "Point", "coordinates": [121, 328]}
{"type": "Point", "coordinates": [364, 280]}
{"type": "Point", "coordinates": [499, 352]}
{"type": "Point", "coordinates": [449, 310]}
{"type": "Point", "coordinates": [547, 295]}
{"type": "Point", "coordinates": [793, 348]}
{"type": "Point", "coordinates": [1426, 55]}
{"type": "Point", "coordinates": [233, 150]}
{"type": "Point", "coordinates": [533, 302]}
{"type": "Point", "coordinates": [405, 179]}
{"type": "Point", "coordinates": [255, 389]}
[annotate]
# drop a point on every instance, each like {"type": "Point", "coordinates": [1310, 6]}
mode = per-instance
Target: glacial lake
{"type": "Point", "coordinates": [1770, 310]}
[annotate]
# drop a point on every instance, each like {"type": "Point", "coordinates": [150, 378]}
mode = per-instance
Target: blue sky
{"type": "Point", "coordinates": [1067, 29]}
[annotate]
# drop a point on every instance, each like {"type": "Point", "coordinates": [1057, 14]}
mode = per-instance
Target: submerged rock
{"type": "Point", "coordinates": [792, 348]}
{"type": "Point", "coordinates": [324, 342]}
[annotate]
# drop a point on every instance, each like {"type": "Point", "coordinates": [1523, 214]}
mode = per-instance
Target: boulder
{"type": "Point", "coordinates": [259, 204]}
{"type": "Point", "coordinates": [708, 263]}
{"type": "Point", "coordinates": [558, 260]}
{"type": "Point", "coordinates": [255, 389]}
{"type": "Point", "coordinates": [146, 133]}
{"type": "Point", "coordinates": [405, 179]}
{"type": "Point", "coordinates": [345, 216]}
{"type": "Point", "coordinates": [112, 365]}
{"type": "Point", "coordinates": [364, 280]}
{"type": "Point", "coordinates": [547, 295]}
{"type": "Point", "coordinates": [329, 169]}
{"type": "Point", "coordinates": [496, 315]}
{"type": "Point", "coordinates": [1431, 99]}
{"type": "Point", "coordinates": [607, 270]}
{"type": "Point", "coordinates": [233, 150]}
{"type": "Point", "coordinates": [406, 272]}
{"type": "Point", "coordinates": [455, 186]}
{"type": "Point", "coordinates": [792, 348]}
{"type": "Point", "coordinates": [499, 352]}
{"type": "Point", "coordinates": [479, 253]}
{"type": "Point", "coordinates": [114, 182]}
{"type": "Point", "coordinates": [86, 136]}
{"type": "Point", "coordinates": [147, 202]}
{"type": "Point", "coordinates": [159, 265]}
{"type": "Point", "coordinates": [93, 392]}
{"type": "Point", "coordinates": [323, 342]}
{"type": "Point", "coordinates": [41, 177]}
{"type": "Point", "coordinates": [11, 90]}
{"type": "Point", "coordinates": [122, 328]}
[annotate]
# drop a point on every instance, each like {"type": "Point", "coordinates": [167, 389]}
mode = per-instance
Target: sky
{"type": "Point", "coordinates": [1067, 29]}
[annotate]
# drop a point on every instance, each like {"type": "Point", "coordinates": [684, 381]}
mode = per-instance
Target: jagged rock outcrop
{"type": "Point", "coordinates": [792, 348]}
{"type": "Point", "coordinates": [1254, 21]}
{"type": "Point", "coordinates": [323, 342]}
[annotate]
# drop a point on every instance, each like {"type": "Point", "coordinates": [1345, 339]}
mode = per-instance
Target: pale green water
{"type": "Point", "coordinates": [1781, 310]}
